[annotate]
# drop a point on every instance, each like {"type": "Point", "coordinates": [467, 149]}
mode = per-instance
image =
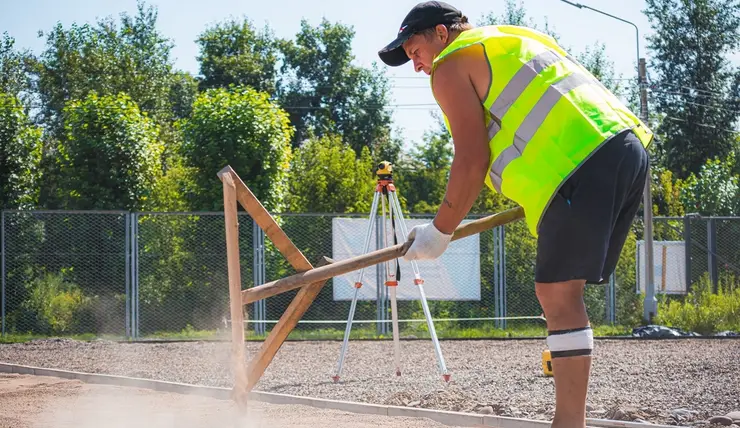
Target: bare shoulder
{"type": "Point", "coordinates": [448, 76]}
{"type": "Point", "coordinates": [463, 69]}
{"type": "Point", "coordinates": [456, 95]}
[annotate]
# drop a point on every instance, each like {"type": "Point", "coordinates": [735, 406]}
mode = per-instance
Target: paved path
{"type": "Point", "coordinates": [47, 402]}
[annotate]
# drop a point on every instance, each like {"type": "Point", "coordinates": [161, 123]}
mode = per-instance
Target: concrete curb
{"type": "Point", "coordinates": [444, 417]}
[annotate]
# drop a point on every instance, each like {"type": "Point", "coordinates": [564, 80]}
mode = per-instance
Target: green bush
{"type": "Point", "coordinates": [702, 310]}
{"type": "Point", "coordinates": [54, 305]}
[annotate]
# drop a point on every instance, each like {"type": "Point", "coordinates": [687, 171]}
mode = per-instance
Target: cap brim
{"type": "Point", "coordinates": [393, 54]}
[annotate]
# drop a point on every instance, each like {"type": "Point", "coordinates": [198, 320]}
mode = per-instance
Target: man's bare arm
{"type": "Point", "coordinates": [456, 96]}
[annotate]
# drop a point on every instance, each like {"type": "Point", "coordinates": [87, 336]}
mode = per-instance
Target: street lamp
{"type": "Point", "coordinates": [650, 304]}
{"type": "Point", "coordinates": [637, 31]}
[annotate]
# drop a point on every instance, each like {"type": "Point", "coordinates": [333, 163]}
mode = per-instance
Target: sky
{"type": "Point", "coordinates": [375, 24]}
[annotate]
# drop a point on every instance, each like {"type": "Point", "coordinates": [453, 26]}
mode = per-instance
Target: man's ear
{"type": "Point", "coordinates": [442, 33]}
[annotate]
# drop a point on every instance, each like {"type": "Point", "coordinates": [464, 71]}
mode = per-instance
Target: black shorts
{"type": "Point", "coordinates": [583, 230]}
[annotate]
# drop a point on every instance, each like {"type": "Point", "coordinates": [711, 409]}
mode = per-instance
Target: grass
{"type": "Point", "coordinates": [358, 333]}
{"type": "Point", "coordinates": [361, 333]}
{"type": "Point", "coordinates": [21, 338]}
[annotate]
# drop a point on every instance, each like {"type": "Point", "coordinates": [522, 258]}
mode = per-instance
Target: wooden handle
{"type": "Point", "coordinates": [341, 267]}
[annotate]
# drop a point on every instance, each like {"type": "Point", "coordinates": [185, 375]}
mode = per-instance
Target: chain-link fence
{"type": "Point", "coordinates": [143, 275]}
{"type": "Point", "coordinates": [65, 273]}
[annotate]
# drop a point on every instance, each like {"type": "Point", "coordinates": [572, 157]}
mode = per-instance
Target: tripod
{"type": "Point", "coordinates": [385, 192]}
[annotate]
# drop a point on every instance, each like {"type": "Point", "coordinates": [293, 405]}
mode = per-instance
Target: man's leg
{"type": "Point", "coordinates": [570, 343]}
{"type": "Point", "coordinates": [580, 237]}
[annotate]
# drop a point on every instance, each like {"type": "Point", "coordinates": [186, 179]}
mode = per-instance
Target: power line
{"type": "Point", "coordinates": [702, 124]}
{"type": "Point", "coordinates": [690, 88]}
{"type": "Point", "coordinates": [699, 104]}
{"type": "Point", "coordinates": [723, 97]}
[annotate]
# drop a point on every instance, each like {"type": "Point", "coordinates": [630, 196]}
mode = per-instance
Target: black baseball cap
{"type": "Point", "coordinates": [423, 16]}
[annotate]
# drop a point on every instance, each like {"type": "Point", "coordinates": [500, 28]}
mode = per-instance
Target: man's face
{"type": "Point", "coordinates": [422, 49]}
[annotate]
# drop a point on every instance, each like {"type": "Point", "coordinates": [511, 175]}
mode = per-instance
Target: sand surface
{"type": "Point", "coordinates": [48, 402]}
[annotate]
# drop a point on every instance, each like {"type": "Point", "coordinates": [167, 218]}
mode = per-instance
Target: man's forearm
{"type": "Point", "coordinates": [467, 175]}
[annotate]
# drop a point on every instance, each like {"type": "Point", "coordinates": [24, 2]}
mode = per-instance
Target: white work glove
{"type": "Point", "coordinates": [429, 243]}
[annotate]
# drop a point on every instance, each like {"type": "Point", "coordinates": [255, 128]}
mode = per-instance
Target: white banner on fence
{"type": "Point", "coordinates": [454, 276]}
{"type": "Point", "coordinates": [669, 261]}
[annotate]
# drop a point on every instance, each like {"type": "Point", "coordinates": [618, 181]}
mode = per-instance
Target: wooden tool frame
{"type": "Point", "coordinates": [309, 279]}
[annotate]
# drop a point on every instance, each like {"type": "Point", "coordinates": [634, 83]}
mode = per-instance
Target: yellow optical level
{"type": "Point", "coordinates": [385, 168]}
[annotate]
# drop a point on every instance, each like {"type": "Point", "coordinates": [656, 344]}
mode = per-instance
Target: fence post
{"type": "Point", "coordinates": [2, 265]}
{"type": "Point", "coordinates": [687, 250]}
{"type": "Point", "coordinates": [496, 269]}
{"type": "Point", "coordinates": [712, 253]}
{"type": "Point", "coordinates": [499, 275]}
{"type": "Point", "coordinates": [135, 276]}
{"type": "Point", "coordinates": [260, 311]}
{"type": "Point", "coordinates": [611, 317]}
{"type": "Point", "coordinates": [127, 261]}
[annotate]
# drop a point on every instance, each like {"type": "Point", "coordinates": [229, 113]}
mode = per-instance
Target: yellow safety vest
{"type": "Point", "coordinates": [545, 113]}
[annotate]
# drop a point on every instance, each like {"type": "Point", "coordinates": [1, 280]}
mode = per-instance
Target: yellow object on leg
{"type": "Point", "coordinates": [547, 362]}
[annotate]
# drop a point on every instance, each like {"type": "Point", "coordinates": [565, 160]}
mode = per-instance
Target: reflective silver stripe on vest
{"type": "Point", "coordinates": [522, 78]}
{"type": "Point", "coordinates": [532, 123]}
{"type": "Point", "coordinates": [493, 129]}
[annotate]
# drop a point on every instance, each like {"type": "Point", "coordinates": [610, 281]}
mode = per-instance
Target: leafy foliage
{"type": "Point", "coordinates": [235, 53]}
{"type": "Point", "coordinates": [667, 190]}
{"type": "Point", "coordinates": [327, 176]}
{"type": "Point", "coordinates": [110, 156]}
{"type": "Point", "coordinates": [715, 190]}
{"type": "Point", "coordinates": [20, 155]}
{"type": "Point", "coordinates": [242, 128]}
{"type": "Point", "coordinates": [14, 78]}
{"type": "Point", "coordinates": [704, 311]}
{"type": "Point", "coordinates": [55, 305]}
{"type": "Point", "coordinates": [694, 87]}
{"type": "Point", "coordinates": [422, 175]}
{"type": "Point", "coordinates": [183, 90]}
{"type": "Point", "coordinates": [133, 59]}
{"type": "Point", "coordinates": [326, 94]}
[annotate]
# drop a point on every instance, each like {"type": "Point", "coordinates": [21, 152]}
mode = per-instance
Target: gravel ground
{"type": "Point", "coordinates": [684, 382]}
{"type": "Point", "coordinates": [46, 402]}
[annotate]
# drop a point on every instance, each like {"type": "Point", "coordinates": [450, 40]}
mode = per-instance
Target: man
{"type": "Point", "coordinates": [534, 125]}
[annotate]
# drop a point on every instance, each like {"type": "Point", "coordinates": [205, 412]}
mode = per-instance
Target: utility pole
{"type": "Point", "coordinates": [650, 304]}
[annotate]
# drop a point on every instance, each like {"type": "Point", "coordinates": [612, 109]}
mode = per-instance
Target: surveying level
{"type": "Point", "coordinates": [392, 221]}
{"type": "Point", "coordinates": [385, 171]}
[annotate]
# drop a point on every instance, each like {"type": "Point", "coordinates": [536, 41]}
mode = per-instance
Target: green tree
{"type": "Point", "coordinates": [715, 190]}
{"type": "Point", "coordinates": [242, 128]}
{"type": "Point", "coordinates": [694, 86]}
{"type": "Point", "coordinates": [235, 53]}
{"type": "Point", "coordinates": [110, 155]}
{"type": "Point", "coordinates": [182, 93]}
{"type": "Point", "coordinates": [133, 58]}
{"type": "Point", "coordinates": [14, 78]}
{"type": "Point", "coordinates": [667, 191]}
{"type": "Point", "coordinates": [327, 176]}
{"type": "Point", "coordinates": [20, 156]}
{"type": "Point", "coordinates": [325, 93]}
{"type": "Point", "coordinates": [423, 174]}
